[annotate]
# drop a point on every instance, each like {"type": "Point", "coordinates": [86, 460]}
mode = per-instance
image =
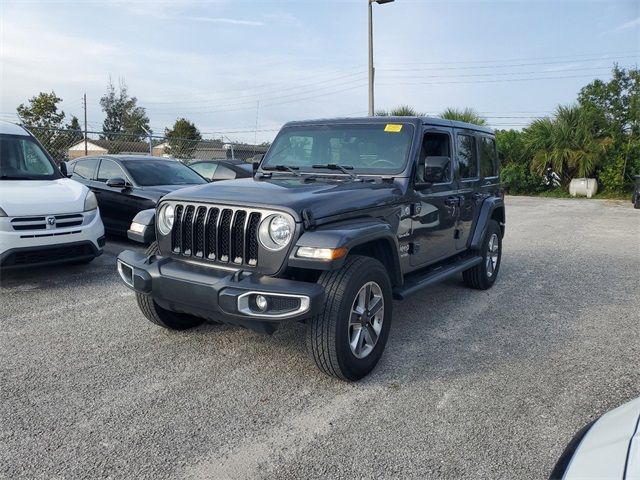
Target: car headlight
{"type": "Point", "coordinates": [90, 201]}
{"type": "Point", "coordinates": [276, 231]}
{"type": "Point", "coordinates": [166, 216]}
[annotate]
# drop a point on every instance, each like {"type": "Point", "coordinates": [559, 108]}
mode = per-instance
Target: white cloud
{"type": "Point", "coordinates": [229, 21]}
{"type": "Point", "coordinates": [630, 24]}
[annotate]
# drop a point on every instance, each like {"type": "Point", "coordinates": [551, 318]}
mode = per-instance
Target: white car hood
{"type": "Point", "coordinates": [611, 445]}
{"type": "Point", "coordinates": [19, 198]}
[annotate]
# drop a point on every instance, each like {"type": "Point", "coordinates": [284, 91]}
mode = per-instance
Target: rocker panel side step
{"type": "Point", "coordinates": [417, 281]}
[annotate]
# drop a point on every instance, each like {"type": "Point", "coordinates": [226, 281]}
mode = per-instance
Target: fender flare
{"type": "Point", "coordinates": [348, 234]}
{"type": "Point", "coordinates": [489, 206]}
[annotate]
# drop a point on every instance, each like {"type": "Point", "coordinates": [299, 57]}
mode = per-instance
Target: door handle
{"type": "Point", "coordinates": [452, 201]}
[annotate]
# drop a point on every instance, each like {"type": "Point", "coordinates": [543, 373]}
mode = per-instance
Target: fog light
{"type": "Point", "coordinates": [261, 303]}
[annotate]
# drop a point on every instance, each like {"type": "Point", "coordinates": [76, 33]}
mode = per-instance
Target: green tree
{"type": "Point", "coordinates": [74, 131]}
{"type": "Point", "coordinates": [42, 111]}
{"type": "Point", "coordinates": [45, 121]}
{"type": "Point", "coordinates": [123, 115]}
{"type": "Point", "coordinates": [512, 147]}
{"type": "Point", "coordinates": [618, 100]}
{"type": "Point", "coordinates": [183, 138]}
{"type": "Point", "coordinates": [571, 143]}
{"type": "Point", "coordinates": [468, 115]}
{"type": "Point", "coordinates": [400, 111]}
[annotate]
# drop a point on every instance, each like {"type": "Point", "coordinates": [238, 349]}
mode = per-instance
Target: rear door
{"type": "Point", "coordinates": [468, 177]}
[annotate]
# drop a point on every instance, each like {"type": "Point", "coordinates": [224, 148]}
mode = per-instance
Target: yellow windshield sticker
{"type": "Point", "coordinates": [393, 127]}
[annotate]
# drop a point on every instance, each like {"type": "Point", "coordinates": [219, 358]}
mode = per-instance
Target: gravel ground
{"type": "Point", "coordinates": [473, 384]}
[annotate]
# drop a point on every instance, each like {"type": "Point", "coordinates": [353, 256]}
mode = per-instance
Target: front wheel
{"type": "Point", "coordinates": [347, 338]}
{"type": "Point", "coordinates": [484, 275]}
{"type": "Point", "coordinates": [160, 316]}
{"type": "Point", "coordinates": [636, 203]}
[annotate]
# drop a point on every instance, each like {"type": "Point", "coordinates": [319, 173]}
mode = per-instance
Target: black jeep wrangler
{"type": "Point", "coordinates": [341, 218]}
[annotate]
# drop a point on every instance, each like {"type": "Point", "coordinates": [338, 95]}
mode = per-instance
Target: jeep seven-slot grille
{"type": "Point", "coordinates": [216, 234]}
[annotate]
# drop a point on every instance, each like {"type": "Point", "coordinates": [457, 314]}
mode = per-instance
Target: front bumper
{"type": "Point", "coordinates": [229, 297]}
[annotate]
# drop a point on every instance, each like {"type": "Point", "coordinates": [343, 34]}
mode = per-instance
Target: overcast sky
{"type": "Point", "coordinates": [213, 61]}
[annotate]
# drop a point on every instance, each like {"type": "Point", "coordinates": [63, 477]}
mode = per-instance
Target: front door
{"type": "Point", "coordinates": [117, 205]}
{"type": "Point", "coordinates": [437, 207]}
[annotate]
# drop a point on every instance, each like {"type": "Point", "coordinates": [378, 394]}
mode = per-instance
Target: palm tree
{"type": "Point", "coordinates": [570, 143]}
{"type": "Point", "coordinates": [468, 115]}
{"type": "Point", "coordinates": [400, 111]}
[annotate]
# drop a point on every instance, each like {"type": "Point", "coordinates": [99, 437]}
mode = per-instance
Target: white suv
{"type": "Point", "coordinates": [45, 217]}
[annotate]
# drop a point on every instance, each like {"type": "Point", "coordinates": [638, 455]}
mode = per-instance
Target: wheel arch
{"type": "Point", "coordinates": [491, 209]}
{"type": "Point", "coordinates": [367, 237]}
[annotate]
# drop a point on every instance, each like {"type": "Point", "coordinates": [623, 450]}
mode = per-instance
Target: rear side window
{"type": "Point", "coordinates": [205, 169]}
{"type": "Point", "coordinates": [224, 173]}
{"type": "Point", "coordinates": [467, 158]}
{"type": "Point", "coordinates": [488, 158]}
{"type": "Point", "coordinates": [85, 168]}
{"type": "Point", "coordinates": [109, 169]}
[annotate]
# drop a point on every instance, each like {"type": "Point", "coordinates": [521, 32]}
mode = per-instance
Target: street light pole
{"type": "Point", "coordinates": [371, 68]}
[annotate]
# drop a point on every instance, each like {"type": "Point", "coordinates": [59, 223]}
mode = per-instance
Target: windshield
{"type": "Point", "coordinates": [147, 173]}
{"type": "Point", "coordinates": [21, 158]}
{"type": "Point", "coordinates": [374, 148]}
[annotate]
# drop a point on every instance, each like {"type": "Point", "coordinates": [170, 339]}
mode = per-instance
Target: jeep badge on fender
{"type": "Point", "coordinates": [341, 217]}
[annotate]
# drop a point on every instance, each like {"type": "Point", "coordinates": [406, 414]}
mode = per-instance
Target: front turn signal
{"type": "Point", "coordinates": [326, 254]}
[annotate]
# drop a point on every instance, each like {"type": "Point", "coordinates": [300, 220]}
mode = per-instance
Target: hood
{"type": "Point", "coordinates": [610, 444]}
{"type": "Point", "coordinates": [20, 198]}
{"type": "Point", "coordinates": [323, 197]}
{"type": "Point", "coordinates": [162, 190]}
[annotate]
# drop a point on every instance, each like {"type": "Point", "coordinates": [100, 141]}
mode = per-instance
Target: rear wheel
{"type": "Point", "coordinates": [347, 338]}
{"type": "Point", "coordinates": [636, 203]}
{"type": "Point", "coordinates": [484, 275]}
{"type": "Point", "coordinates": [160, 316]}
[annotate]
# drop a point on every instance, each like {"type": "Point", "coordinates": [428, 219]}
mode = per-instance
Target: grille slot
{"type": "Point", "coordinates": [216, 234]}
{"type": "Point", "coordinates": [41, 223]}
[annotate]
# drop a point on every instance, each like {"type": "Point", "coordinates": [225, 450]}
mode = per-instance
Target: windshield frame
{"type": "Point", "coordinates": [358, 171]}
{"type": "Point", "coordinates": [125, 164]}
{"type": "Point", "coordinates": [55, 175]}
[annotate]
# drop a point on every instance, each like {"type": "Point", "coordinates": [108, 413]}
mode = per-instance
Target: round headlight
{"type": "Point", "coordinates": [276, 231]}
{"type": "Point", "coordinates": [166, 217]}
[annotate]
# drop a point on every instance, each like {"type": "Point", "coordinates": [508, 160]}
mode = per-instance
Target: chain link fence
{"type": "Point", "coordinates": [65, 145]}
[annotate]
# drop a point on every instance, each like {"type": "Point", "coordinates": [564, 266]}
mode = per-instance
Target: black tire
{"type": "Point", "coordinates": [478, 277]}
{"type": "Point", "coordinates": [636, 203]}
{"type": "Point", "coordinates": [328, 332]}
{"type": "Point", "coordinates": [158, 315]}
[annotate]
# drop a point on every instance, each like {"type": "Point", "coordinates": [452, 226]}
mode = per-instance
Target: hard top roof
{"type": "Point", "coordinates": [414, 120]}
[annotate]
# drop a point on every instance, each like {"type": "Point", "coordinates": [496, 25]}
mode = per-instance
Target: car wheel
{"type": "Point", "coordinates": [347, 338]}
{"type": "Point", "coordinates": [160, 316]}
{"type": "Point", "coordinates": [636, 203]}
{"type": "Point", "coordinates": [484, 275]}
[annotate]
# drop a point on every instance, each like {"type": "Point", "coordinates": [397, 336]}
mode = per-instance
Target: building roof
{"type": "Point", "coordinates": [8, 128]}
{"type": "Point", "coordinates": [123, 146]}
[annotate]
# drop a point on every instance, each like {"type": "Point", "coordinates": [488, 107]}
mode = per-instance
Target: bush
{"type": "Point", "coordinates": [611, 176]}
{"type": "Point", "coordinates": [517, 179]}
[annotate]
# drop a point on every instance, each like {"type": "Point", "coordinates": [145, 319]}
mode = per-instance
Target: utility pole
{"type": "Point", "coordinates": [255, 138]}
{"type": "Point", "coordinates": [148, 132]}
{"type": "Point", "coordinates": [84, 103]}
{"type": "Point", "coordinates": [371, 69]}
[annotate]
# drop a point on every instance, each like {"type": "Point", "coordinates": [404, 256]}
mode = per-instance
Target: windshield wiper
{"type": "Point", "coordinates": [282, 168]}
{"type": "Point", "coordinates": [343, 168]}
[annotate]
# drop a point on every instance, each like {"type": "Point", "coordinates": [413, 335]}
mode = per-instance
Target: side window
{"type": "Point", "coordinates": [224, 173]}
{"type": "Point", "coordinates": [467, 158]}
{"type": "Point", "coordinates": [488, 158]}
{"type": "Point", "coordinates": [205, 169]}
{"type": "Point", "coordinates": [85, 168]}
{"type": "Point", "coordinates": [109, 169]}
{"type": "Point", "coordinates": [435, 159]}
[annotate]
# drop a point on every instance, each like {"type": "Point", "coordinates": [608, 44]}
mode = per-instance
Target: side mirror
{"type": "Point", "coordinates": [256, 165]}
{"type": "Point", "coordinates": [64, 169]}
{"type": "Point", "coordinates": [117, 182]}
{"type": "Point", "coordinates": [437, 169]}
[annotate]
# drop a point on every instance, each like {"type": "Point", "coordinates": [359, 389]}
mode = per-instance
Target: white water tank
{"type": "Point", "coordinates": [583, 187]}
